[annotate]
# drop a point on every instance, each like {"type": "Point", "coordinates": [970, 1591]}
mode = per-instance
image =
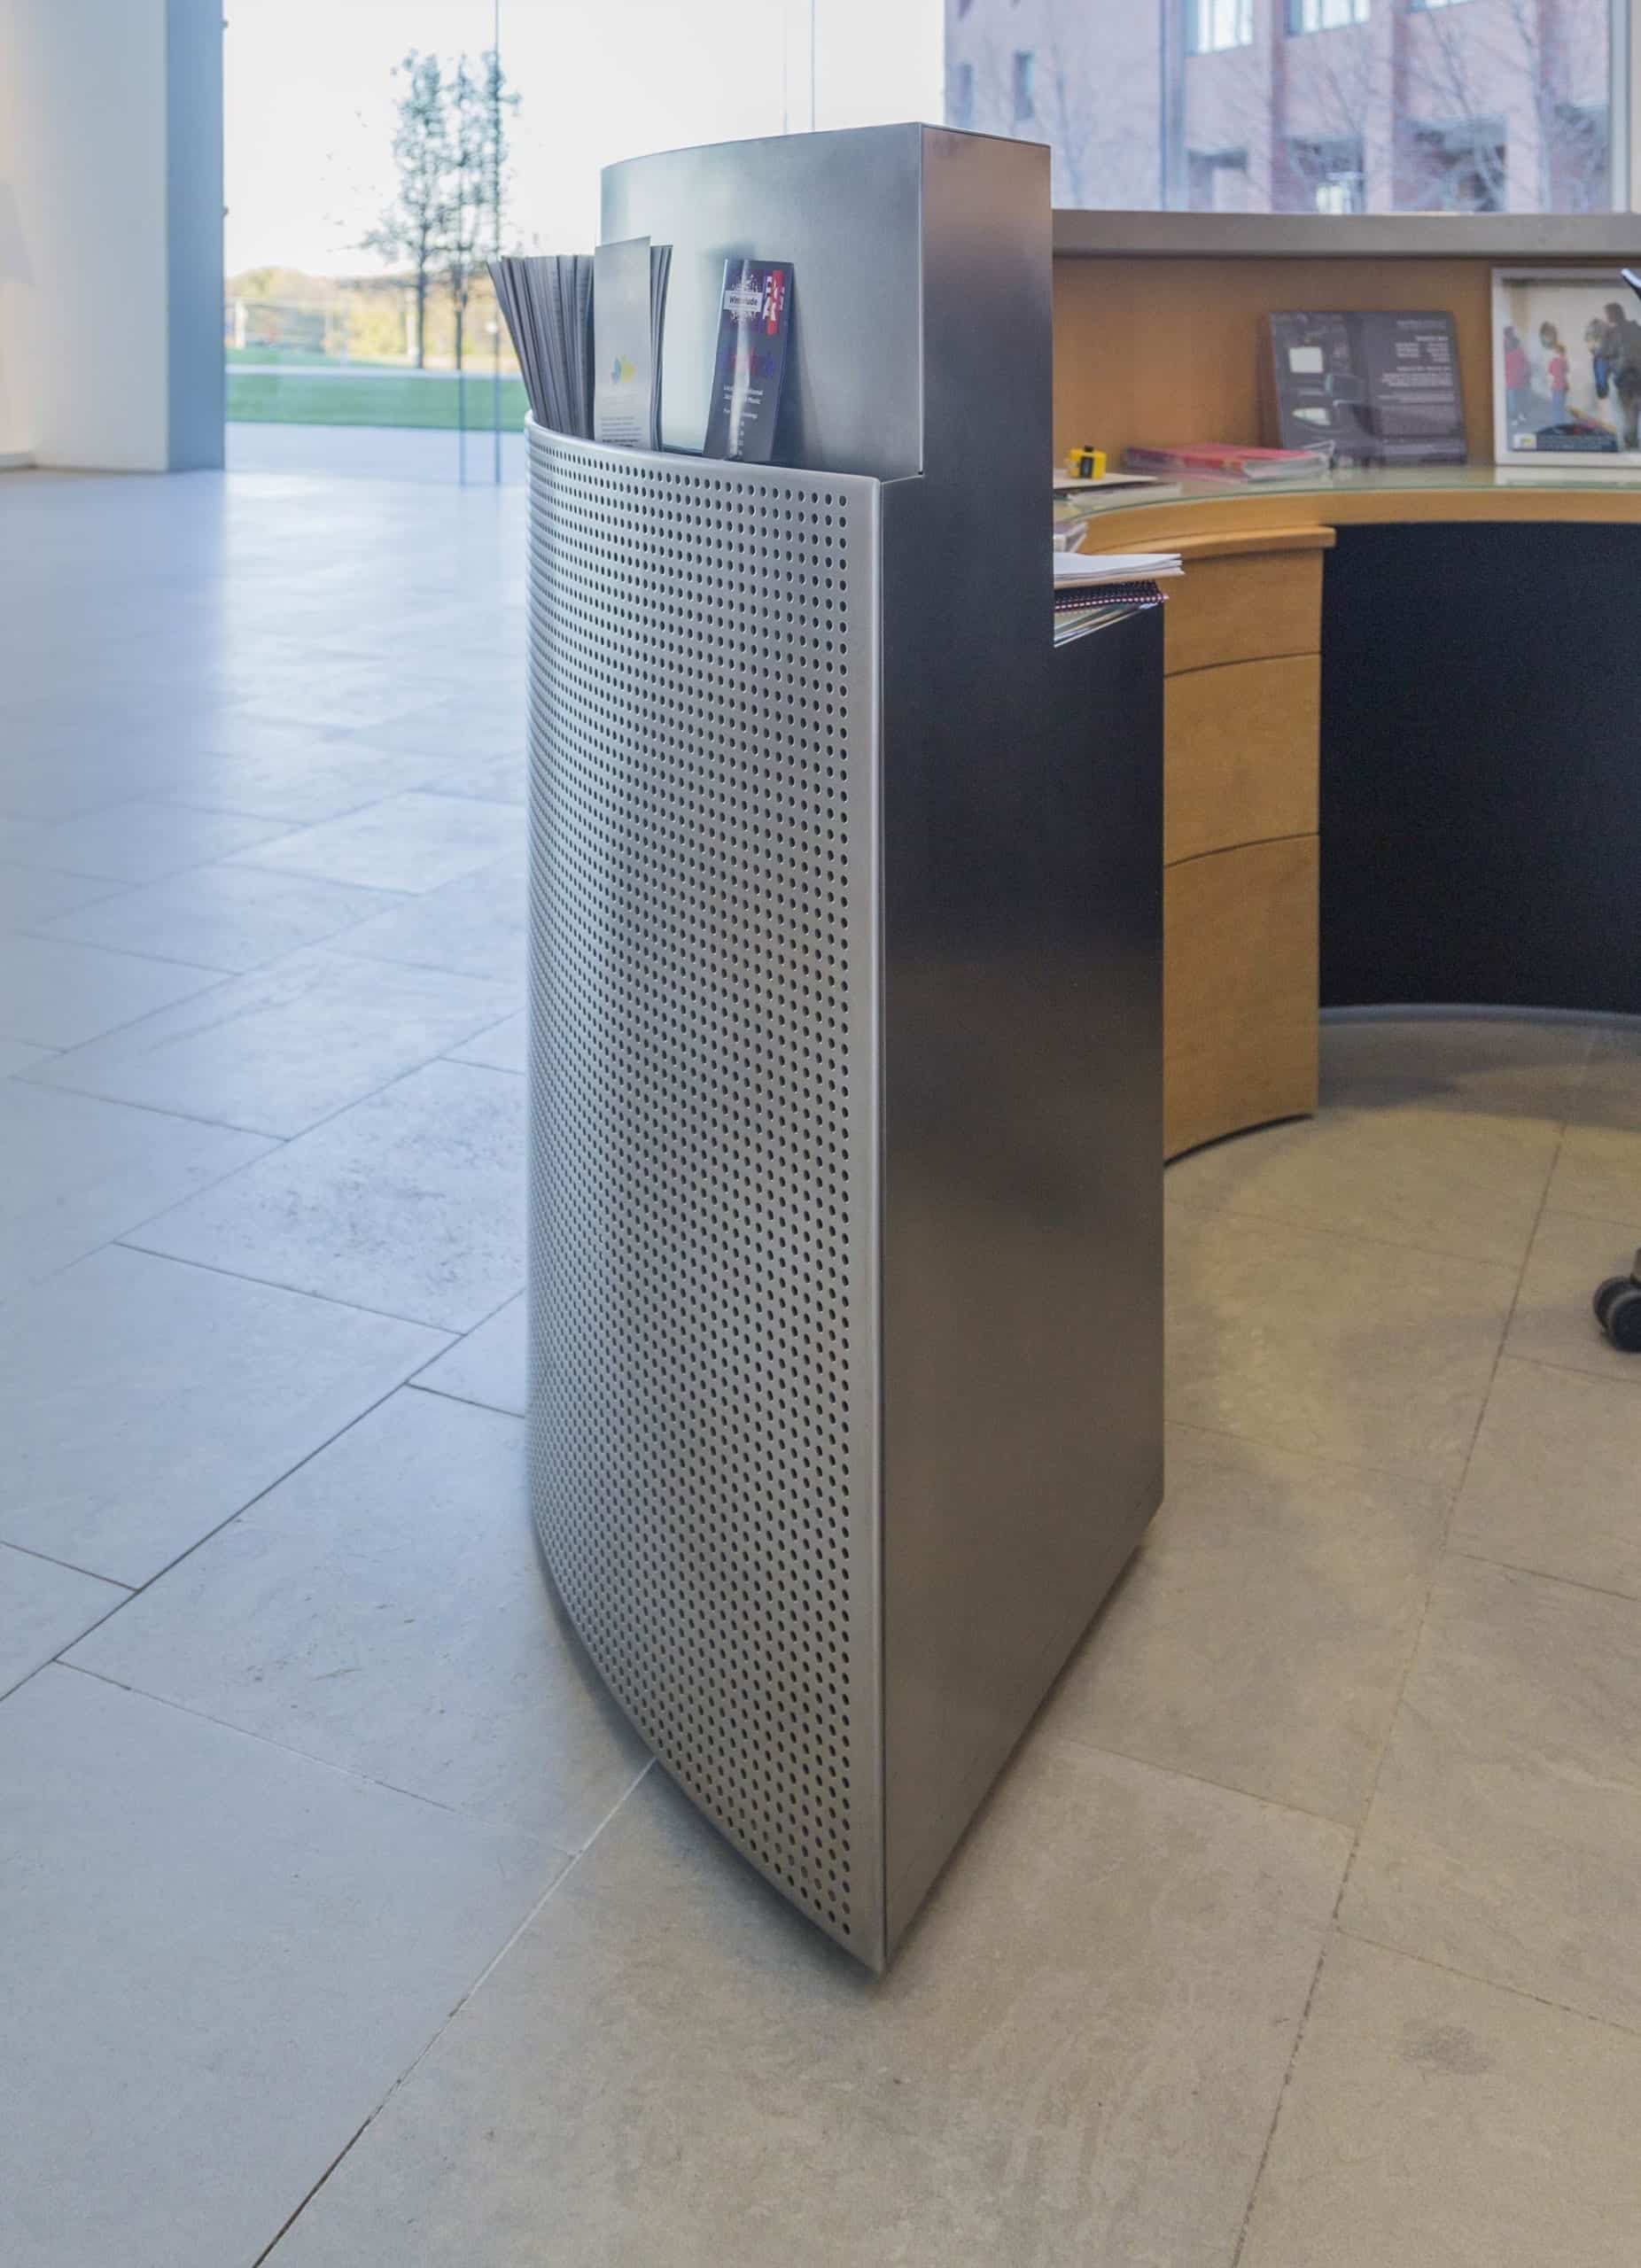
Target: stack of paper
{"type": "Point", "coordinates": [548, 300]}
{"type": "Point", "coordinates": [629, 307]}
{"type": "Point", "coordinates": [660, 268]}
{"type": "Point", "coordinates": [1094, 588]}
{"type": "Point", "coordinates": [1076, 568]}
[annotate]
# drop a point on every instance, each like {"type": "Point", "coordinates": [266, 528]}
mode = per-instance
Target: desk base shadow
{"type": "Point", "coordinates": [1481, 785]}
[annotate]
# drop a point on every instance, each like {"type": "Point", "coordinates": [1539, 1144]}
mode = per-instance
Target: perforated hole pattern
{"type": "Point", "coordinates": [704, 1451]}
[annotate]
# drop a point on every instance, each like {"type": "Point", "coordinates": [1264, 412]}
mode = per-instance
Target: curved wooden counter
{"type": "Point", "coordinates": [1242, 849]}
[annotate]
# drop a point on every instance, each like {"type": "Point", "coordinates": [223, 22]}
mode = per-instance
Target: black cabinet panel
{"type": "Point", "coordinates": [1481, 766]}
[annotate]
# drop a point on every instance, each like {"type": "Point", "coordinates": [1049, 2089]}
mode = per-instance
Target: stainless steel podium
{"type": "Point", "coordinates": [845, 1179]}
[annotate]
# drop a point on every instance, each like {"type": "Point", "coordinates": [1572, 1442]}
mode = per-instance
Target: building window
{"type": "Point", "coordinates": [1211, 105]}
{"type": "Point", "coordinates": [1218, 179]}
{"type": "Point", "coordinates": [1324, 15]}
{"type": "Point", "coordinates": [963, 95]}
{"type": "Point", "coordinates": [1330, 174]}
{"type": "Point", "coordinates": [1464, 166]}
{"type": "Point", "coordinates": [1212, 26]}
{"type": "Point", "coordinates": [1024, 83]}
{"type": "Point", "coordinates": [1579, 158]}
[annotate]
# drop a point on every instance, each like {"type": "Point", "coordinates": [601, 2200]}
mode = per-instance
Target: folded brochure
{"type": "Point", "coordinates": [754, 325]}
{"type": "Point", "coordinates": [1078, 569]}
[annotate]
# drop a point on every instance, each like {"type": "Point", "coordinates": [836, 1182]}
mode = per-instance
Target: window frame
{"type": "Point", "coordinates": [1022, 86]}
{"type": "Point", "coordinates": [1361, 11]}
{"type": "Point", "coordinates": [1623, 133]}
{"type": "Point", "coordinates": [1194, 13]}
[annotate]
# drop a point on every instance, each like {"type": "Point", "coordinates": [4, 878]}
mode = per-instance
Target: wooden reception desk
{"type": "Point", "coordinates": [1402, 762]}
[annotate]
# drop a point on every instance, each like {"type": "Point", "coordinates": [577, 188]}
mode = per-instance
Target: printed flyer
{"type": "Point", "coordinates": [754, 329]}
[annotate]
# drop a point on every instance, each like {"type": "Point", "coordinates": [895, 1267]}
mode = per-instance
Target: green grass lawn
{"type": "Point", "coordinates": [307, 358]}
{"type": "Point", "coordinates": [305, 397]}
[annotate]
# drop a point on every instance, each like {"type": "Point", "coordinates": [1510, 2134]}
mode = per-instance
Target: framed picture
{"type": "Point", "coordinates": [1567, 368]}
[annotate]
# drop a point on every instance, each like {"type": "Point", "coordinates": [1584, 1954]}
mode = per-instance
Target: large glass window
{"type": "Point", "coordinates": [1304, 105]}
{"type": "Point", "coordinates": [377, 151]}
{"type": "Point", "coordinates": [1211, 26]}
{"type": "Point", "coordinates": [1325, 15]}
{"type": "Point", "coordinates": [1024, 83]}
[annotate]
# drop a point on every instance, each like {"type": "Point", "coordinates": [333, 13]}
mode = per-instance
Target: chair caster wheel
{"type": "Point", "coordinates": [1618, 1311]}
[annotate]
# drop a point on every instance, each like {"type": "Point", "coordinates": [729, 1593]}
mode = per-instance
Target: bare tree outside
{"type": "Point", "coordinates": [1473, 105]}
{"type": "Point", "coordinates": [1528, 51]}
{"type": "Point", "coordinates": [477, 107]}
{"type": "Point", "coordinates": [413, 228]}
{"type": "Point", "coordinates": [1103, 144]}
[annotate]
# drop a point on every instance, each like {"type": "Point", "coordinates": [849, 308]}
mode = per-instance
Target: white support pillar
{"type": "Point", "coordinates": [110, 233]}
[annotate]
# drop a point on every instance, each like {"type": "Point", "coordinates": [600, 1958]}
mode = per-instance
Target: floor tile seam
{"type": "Point", "coordinates": [1318, 1456]}
{"type": "Point", "coordinates": [270, 1142]}
{"type": "Point", "coordinates": [1504, 1339]}
{"type": "Point", "coordinates": [30, 1077]}
{"type": "Point", "coordinates": [136, 1590]}
{"type": "Point", "coordinates": [45, 935]}
{"type": "Point", "coordinates": [1392, 1714]}
{"type": "Point", "coordinates": [1325, 1934]}
{"type": "Point", "coordinates": [473, 795]}
{"type": "Point", "coordinates": [56, 1660]}
{"type": "Point", "coordinates": [126, 1242]}
{"type": "Point", "coordinates": [1242, 1212]}
{"type": "Point", "coordinates": [1622, 1380]}
{"type": "Point", "coordinates": [429, 967]}
{"type": "Point", "coordinates": [1571, 1213]}
{"type": "Point", "coordinates": [462, 1337]}
{"type": "Point", "coordinates": [1490, 1984]}
{"type": "Point", "coordinates": [31, 867]}
{"type": "Point", "coordinates": [485, 1821]}
{"type": "Point", "coordinates": [28, 1552]}
{"type": "Point", "coordinates": [121, 882]}
{"type": "Point", "coordinates": [1204, 1210]}
{"type": "Point", "coordinates": [468, 1401]}
{"type": "Point", "coordinates": [1410, 1656]}
{"type": "Point", "coordinates": [1345, 1872]}
{"type": "Point", "coordinates": [1058, 1736]}
{"type": "Point", "coordinates": [1328, 1457]}
{"type": "Point", "coordinates": [295, 826]}
{"type": "Point", "coordinates": [466, 1063]}
{"type": "Point", "coordinates": [329, 941]}
{"type": "Point", "coordinates": [426, 2049]}
{"type": "Point", "coordinates": [1543, 1575]}
{"type": "Point", "coordinates": [407, 894]}
{"type": "Point", "coordinates": [1548, 1212]}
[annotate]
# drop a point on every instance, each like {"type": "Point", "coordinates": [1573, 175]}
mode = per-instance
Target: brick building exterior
{"type": "Point", "coordinates": [1297, 106]}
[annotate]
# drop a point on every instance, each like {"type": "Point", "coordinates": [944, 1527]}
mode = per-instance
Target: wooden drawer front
{"type": "Point", "coordinates": [1240, 755]}
{"type": "Point", "coordinates": [1244, 608]}
{"type": "Point", "coordinates": [1240, 991]}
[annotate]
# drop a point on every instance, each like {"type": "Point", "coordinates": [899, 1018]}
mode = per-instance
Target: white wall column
{"type": "Point", "coordinates": [110, 233]}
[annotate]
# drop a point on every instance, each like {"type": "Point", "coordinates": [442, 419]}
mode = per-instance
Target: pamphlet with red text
{"type": "Point", "coordinates": [754, 327]}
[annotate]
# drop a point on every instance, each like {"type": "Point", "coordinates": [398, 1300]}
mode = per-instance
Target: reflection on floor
{"type": "Point", "coordinates": [341, 1925]}
{"type": "Point", "coordinates": [380, 452]}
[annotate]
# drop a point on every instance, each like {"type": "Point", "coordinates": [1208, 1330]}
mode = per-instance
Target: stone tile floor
{"type": "Point", "coordinates": [341, 1924]}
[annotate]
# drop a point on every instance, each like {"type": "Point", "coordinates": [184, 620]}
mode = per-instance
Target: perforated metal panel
{"type": "Point", "coordinates": [703, 1262]}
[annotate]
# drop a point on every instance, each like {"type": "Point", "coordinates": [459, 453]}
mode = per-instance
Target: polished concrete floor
{"type": "Point", "coordinates": [376, 451]}
{"type": "Point", "coordinates": [341, 1925]}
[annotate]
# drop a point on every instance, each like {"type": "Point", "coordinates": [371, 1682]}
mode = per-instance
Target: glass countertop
{"type": "Point", "coordinates": [1367, 480]}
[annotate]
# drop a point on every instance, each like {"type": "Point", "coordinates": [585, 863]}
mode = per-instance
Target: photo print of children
{"type": "Point", "coordinates": [1568, 366]}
